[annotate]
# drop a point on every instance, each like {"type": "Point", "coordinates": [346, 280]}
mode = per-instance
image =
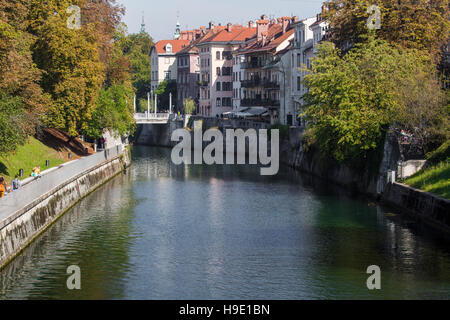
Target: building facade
{"type": "Point", "coordinates": [163, 61]}
{"type": "Point", "coordinates": [265, 69]}
{"type": "Point", "coordinates": [216, 67]}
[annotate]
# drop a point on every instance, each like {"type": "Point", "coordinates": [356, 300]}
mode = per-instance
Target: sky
{"type": "Point", "coordinates": [161, 15]}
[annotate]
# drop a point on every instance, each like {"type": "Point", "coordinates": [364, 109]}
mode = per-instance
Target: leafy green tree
{"type": "Point", "coordinates": [19, 76]}
{"type": "Point", "coordinates": [136, 49]}
{"type": "Point", "coordinates": [12, 130]}
{"type": "Point", "coordinates": [164, 90]}
{"type": "Point", "coordinates": [73, 73]}
{"type": "Point", "coordinates": [114, 111]}
{"type": "Point", "coordinates": [418, 24]}
{"type": "Point", "coordinates": [354, 99]}
{"type": "Point", "coordinates": [189, 106]}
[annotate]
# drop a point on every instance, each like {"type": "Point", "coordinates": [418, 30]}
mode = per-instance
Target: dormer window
{"type": "Point", "coordinates": [169, 48]}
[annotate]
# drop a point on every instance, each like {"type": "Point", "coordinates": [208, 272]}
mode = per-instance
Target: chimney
{"type": "Point", "coordinates": [261, 26]}
{"type": "Point", "coordinates": [285, 24]}
{"type": "Point", "coordinates": [264, 17]}
{"type": "Point", "coordinates": [294, 19]}
{"type": "Point", "coordinates": [229, 27]}
{"type": "Point", "coordinates": [251, 24]}
{"type": "Point", "coordinates": [211, 25]}
{"type": "Point", "coordinates": [264, 39]}
{"type": "Point", "coordinates": [272, 22]}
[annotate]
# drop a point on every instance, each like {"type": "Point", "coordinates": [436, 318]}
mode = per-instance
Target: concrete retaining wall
{"type": "Point", "coordinates": [22, 219]}
{"type": "Point", "coordinates": [431, 209]}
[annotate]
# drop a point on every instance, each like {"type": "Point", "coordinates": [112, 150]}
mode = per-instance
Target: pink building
{"type": "Point", "coordinates": [216, 67]}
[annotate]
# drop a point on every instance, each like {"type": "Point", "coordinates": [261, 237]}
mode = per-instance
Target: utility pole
{"type": "Point", "coordinates": [134, 104]}
{"type": "Point", "coordinates": [170, 103]}
{"type": "Point", "coordinates": [156, 103]}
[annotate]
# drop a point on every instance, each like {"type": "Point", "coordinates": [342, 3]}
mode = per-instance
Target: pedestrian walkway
{"type": "Point", "coordinates": [32, 191]}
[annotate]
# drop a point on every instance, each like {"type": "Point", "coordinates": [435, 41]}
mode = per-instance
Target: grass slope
{"type": "Point", "coordinates": [33, 153]}
{"type": "Point", "coordinates": [435, 179]}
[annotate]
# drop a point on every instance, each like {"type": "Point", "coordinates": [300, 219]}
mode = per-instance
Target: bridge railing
{"type": "Point", "coordinates": [144, 116]}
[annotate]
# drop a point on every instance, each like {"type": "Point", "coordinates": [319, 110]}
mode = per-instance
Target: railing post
{"type": "Point", "coordinates": [148, 103]}
{"type": "Point", "coordinates": [156, 103]}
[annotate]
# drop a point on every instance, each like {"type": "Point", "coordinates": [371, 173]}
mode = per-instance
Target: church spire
{"type": "Point", "coordinates": [177, 33]}
{"type": "Point", "coordinates": [143, 23]}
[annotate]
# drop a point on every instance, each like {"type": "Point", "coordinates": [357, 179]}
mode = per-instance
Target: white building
{"type": "Point", "coordinates": [164, 62]}
{"type": "Point", "coordinates": [308, 33]}
{"type": "Point", "coordinates": [238, 75]}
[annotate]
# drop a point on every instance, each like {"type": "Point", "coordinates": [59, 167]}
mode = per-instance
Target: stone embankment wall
{"type": "Point", "coordinates": [431, 209]}
{"type": "Point", "coordinates": [29, 211]}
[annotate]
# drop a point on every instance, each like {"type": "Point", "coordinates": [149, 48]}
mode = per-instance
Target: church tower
{"type": "Point", "coordinates": [143, 23]}
{"type": "Point", "coordinates": [177, 33]}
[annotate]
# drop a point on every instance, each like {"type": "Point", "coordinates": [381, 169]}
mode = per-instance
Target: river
{"type": "Point", "coordinates": [162, 231]}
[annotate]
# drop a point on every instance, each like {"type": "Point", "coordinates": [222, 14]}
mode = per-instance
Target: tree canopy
{"type": "Point", "coordinates": [354, 98]}
{"type": "Point", "coordinates": [418, 24]}
{"type": "Point", "coordinates": [81, 80]}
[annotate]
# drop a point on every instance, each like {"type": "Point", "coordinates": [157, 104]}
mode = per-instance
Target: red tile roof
{"type": "Point", "coordinates": [177, 45]}
{"type": "Point", "coordinates": [275, 37]}
{"type": "Point", "coordinates": [238, 33]}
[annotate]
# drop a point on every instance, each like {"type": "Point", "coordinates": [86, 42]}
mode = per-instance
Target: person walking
{"type": "Point", "coordinates": [36, 173]}
{"type": "Point", "coordinates": [16, 183]}
{"type": "Point", "coordinates": [2, 187]}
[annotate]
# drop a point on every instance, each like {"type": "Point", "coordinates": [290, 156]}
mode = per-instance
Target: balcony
{"type": "Point", "coordinates": [250, 83]}
{"type": "Point", "coordinates": [203, 83]}
{"type": "Point", "coordinates": [252, 65]}
{"type": "Point", "coordinates": [270, 84]}
{"type": "Point", "coordinates": [260, 103]}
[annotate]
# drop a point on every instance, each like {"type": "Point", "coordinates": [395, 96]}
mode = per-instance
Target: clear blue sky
{"type": "Point", "coordinates": [161, 15]}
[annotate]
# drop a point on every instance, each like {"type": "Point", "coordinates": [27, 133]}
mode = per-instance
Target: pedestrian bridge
{"type": "Point", "coordinates": [152, 118]}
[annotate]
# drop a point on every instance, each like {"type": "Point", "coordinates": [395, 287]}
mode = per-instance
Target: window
{"type": "Point", "coordinates": [226, 102]}
{"type": "Point", "coordinates": [169, 48]}
{"type": "Point", "coordinates": [218, 86]}
{"type": "Point", "coordinates": [218, 71]}
{"type": "Point", "coordinates": [168, 75]}
{"type": "Point", "coordinates": [298, 83]}
{"type": "Point", "coordinates": [218, 102]}
{"type": "Point", "coordinates": [298, 60]}
{"type": "Point", "coordinates": [218, 55]}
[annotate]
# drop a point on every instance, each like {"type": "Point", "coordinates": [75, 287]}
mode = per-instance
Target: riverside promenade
{"type": "Point", "coordinates": [25, 213]}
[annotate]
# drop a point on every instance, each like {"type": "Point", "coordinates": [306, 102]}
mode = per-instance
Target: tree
{"type": "Point", "coordinates": [114, 111]}
{"type": "Point", "coordinates": [12, 129]}
{"type": "Point", "coordinates": [19, 76]}
{"type": "Point", "coordinates": [418, 24]}
{"type": "Point", "coordinates": [164, 90]}
{"type": "Point", "coordinates": [354, 99]}
{"type": "Point", "coordinates": [73, 73]}
{"type": "Point", "coordinates": [136, 48]}
{"type": "Point", "coordinates": [189, 106]}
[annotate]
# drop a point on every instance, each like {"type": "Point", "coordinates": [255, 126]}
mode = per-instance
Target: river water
{"type": "Point", "coordinates": [224, 232]}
